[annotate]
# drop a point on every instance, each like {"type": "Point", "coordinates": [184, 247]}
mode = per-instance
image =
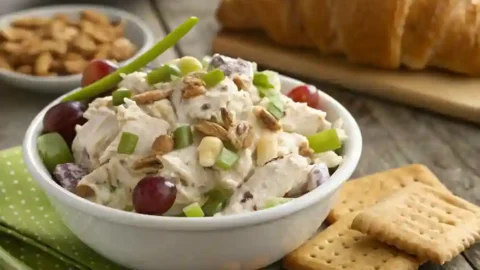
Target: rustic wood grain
{"type": "Point", "coordinates": [393, 134]}
{"type": "Point", "coordinates": [18, 107]}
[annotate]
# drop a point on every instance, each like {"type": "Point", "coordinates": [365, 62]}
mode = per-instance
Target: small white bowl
{"type": "Point", "coordinates": [243, 241]}
{"type": "Point", "coordinates": [135, 30]}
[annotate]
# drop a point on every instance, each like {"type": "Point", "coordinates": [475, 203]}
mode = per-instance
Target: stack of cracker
{"type": "Point", "coordinates": [393, 220]}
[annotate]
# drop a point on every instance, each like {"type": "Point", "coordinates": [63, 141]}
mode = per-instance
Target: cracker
{"type": "Point", "coordinates": [363, 192]}
{"type": "Point", "coordinates": [423, 221]}
{"type": "Point", "coordinates": [338, 248]}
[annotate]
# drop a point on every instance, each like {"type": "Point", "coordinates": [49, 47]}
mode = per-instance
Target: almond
{"type": "Point", "coordinates": [163, 144]}
{"type": "Point", "coordinates": [152, 96]}
{"type": "Point", "coordinates": [227, 118]}
{"type": "Point", "coordinates": [150, 161]}
{"type": "Point", "coordinates": [194, 87]}
{"type": "Point", "coordinates": [212, 129]}
{"type": "Point", "coordinates": [268, 119]}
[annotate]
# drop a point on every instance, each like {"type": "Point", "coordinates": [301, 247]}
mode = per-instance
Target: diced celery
{"type": "Point", "coordinates": [260, 79]}
{"type": "Point", "coordinates": [213, 77]}
{"type": "Point", "coordinates": [193, 210]}
{"type": "Point", "coordinates": [128, 143]}
{"type": "Point", "coordinates": [324, 141]}
{"type": "Point", "coordinates": [278, 102]}
{"type": "Point", "coordinates": [118, 97]}
{"type": "Point", "coordinates": [183, 137]}
{"type": "Point", "coordinates": [162, 74]}
{"type": "Point", "coordinates": [226, 159]}
{"type": "Point", "coordinates": [272, 202]}
{"type": "Point", "coordinates": [274, 110]}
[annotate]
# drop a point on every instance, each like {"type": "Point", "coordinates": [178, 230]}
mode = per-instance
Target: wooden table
{"type": "Point", "coordinates": [393, 134]}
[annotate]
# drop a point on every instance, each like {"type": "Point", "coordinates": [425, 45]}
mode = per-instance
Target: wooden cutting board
{"type": "Point", "coordinates": [433, 90]}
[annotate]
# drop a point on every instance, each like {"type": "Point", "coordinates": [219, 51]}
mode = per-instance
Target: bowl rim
{"type": "Point", "coordinates": [351, 156]}
{"type": "Point", "coordinates": [147, 33]}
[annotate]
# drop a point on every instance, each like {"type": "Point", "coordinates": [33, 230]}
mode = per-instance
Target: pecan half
{"type": "Point", "coordinates": [268, 119]}
{"type": "Point", "coordinates": [241, 135]}
{"type": "Point", "coordinates": [163, 144]}
{"type": "Point", "coordinates": [152, 96]}
{"type": "Point", "coordinates": [212, 129]}
{"type": "Point", "coordinates": [150, 161]}
{"type": "Point", "coordinates": [305, 150]}
{"type": "Point", "coordinates": [194, 87]}
{"type": "Point", "coordinates": [227, 118]}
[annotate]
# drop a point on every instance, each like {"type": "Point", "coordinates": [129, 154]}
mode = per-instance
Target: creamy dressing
{"type": "Point", "coordinates": [113, 178]}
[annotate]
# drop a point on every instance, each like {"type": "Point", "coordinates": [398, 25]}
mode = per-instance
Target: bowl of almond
{"type": "Point", "coordinates": [46, 49]}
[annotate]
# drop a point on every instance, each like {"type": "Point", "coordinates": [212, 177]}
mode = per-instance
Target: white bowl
{"type": "Point", "coordinates": [135, 30]}
{"type": "Point", "coordinates": [244, 241]}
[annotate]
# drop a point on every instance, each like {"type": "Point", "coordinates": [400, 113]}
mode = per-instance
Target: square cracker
{"type": "Point", "coordinates": [338, 248]}
{"type": "Point", "coordinates": [363, 192]}
{"type": "Point", "coordinates": [423, 221]}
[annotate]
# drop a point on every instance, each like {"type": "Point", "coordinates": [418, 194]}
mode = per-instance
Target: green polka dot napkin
{"type": "Point", "coordinates": [32, 236]}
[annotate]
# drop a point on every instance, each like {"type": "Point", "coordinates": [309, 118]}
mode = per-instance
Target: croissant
{"type": "Point", "coordinates": [389, 34]}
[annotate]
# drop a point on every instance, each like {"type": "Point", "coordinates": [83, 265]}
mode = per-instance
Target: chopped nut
{"type": "Point", "coordinates": [163, 144]}
{"type": "Point", "coordinates": [305, 150]}
{"type": "Point", "coordinates": [150, 161]}
{"type": "Point", "coordinates": [194, 87]}
{"type": "Point", "coordinates": [212, 129]}
{"type": "Point", "coordinates": [73, 56]}
{"type": "Point", "coordinates": [227, 118]}
{"type": "Point", "coordinates": [103, 51]}
{"type": "Point", "coordinates": [31, 22]}
{"type": "Point", "coordinates": [118, 29]}
{"type": "Point", "coordinates": [268, 119]}
{"type": "Point", "coordinates": [95, 17]}
{"type": "Point", "coordinates": [25, 69]}
{"type": "Point", "coordinates": [61, 32]}
{"type": "Point", "coordinates": [241, 135]}
{"type": "Point", "coordinates": [16, 34]}
{"type": "Point", "coordinates": [43, 64]}
{"type": "Point", "coordinates": [267, 148]}
{"type": "Point", "coordinates": [75, 66]}
{"type": "Point", "coordinates": [239, 83]}
{"type": "Point", "coordinates": [57, 47]}
{"type": "Point", "coordinates": [152, 96]}
{"type": "Point", "coordinates": [4, 63]}
{"type": "Point", "coordinates": [13, 47]}
{"type": "Point", "coordinates": [57, 66]}
{"type": "Point", "coordinates": [123, 49]}
{"type": "Point", "coordinates": [84, 191]}
{"type": "Point", "coordinates": [84, 44]}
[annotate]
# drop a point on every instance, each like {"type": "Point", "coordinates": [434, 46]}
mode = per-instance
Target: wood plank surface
{"type": "Point", "coordinates": [18, 107]}
{"type": "Point", "coordinates": [393, 134]}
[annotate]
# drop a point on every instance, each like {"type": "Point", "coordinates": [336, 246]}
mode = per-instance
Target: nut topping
{"type": "Point", "coordinates": [212, 129]}
{"type": "Point", "coordinates": [150, 161]}
{"type": "Point", "coordinates": [193, 87]}
{"type": "Point", "coordinates": [268, 119]}
{"type": "Point", "coordinates": [227, 118]}
{"type": "Point", "coordinates": [305, 150]}
{"type": "Point", "coordinates": [151, 96]}
{"type": "Point", "coordinates": [239, 83]}
{"type": "Point", "coordinates": [241, 135]}
{"type": "Point", "coordinates": [163, 144]}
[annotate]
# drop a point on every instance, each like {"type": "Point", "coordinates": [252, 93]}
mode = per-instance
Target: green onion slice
{"type": "Point", "coordinates": [183, 137]}
{"type": "Point", "coordinates": [324, 141]}
{"type": "Point", "coordinates": [53, 150]}
{"type": "Point", "coordinates": [213, 77]}
{"type": "Point", "coordinates": [162, 74]}
{"type": "Point", "coordinates": [260, 79]}
{"type": "Point", "coordinates": [226, 159]}
{"type": "Point", "coordinates": [193, 210]}
{"type": "Point", "coordinates": [272, 202]}
{"type": "Point", "coordinates": [128, 143]}
{"type": "Point", "coordinates": [110, 81]}
{"type": "Point", "coordinates": [118, 97]}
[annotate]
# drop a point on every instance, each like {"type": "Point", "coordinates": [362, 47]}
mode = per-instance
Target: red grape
{"type": "Point", "coordinates": [154, 195]}
{"type": "Point", "coordinates": [96, 70]}
{"type": "Point", "coordinates": [305, 94]}
{"type": "Point", "coordinates": [63, 118]}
